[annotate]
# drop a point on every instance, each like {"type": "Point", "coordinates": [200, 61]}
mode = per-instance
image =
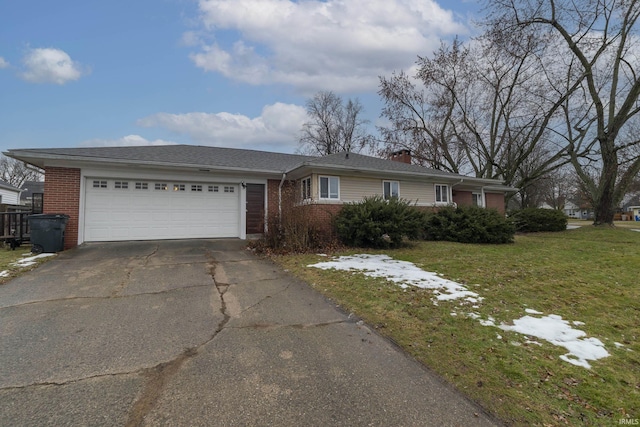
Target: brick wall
{"type": "Point", "coordinates": [62, 196]}
{"type": "Point", "coordinates": [495, 201]}
{"type": "Point", "coordinates": [321, 215]}
{"type": "Point", "coordinates": [463, 198]}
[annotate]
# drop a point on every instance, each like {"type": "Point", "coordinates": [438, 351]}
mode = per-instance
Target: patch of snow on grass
{"type": "Point", "coordinates": [634, 229]}
{"type": "Point", "coordinates": [572, 227]}
{"type": "Point", "coordinates": [4, 273]}
{"type": "Point", "coordinates": [402, 273]}
{"type": "Point", "coordinates": [554, 329]}
{"type": "Point", "coordinates": [29, 261]}
{"type": "Point", "coordinates": [551, 328]}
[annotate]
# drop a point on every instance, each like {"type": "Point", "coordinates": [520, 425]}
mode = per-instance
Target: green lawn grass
{"type": "Point", "coordinates": [589, 275]}
{"type": "Point", "coordinates": [9, 257]}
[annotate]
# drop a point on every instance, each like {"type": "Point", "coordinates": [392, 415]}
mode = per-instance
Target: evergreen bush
{"type": "Point", "coordinates": [469, 224]}
{"type": "Point", "coordinates": [378, 223]}
{"type": "Point", "coordinates": [532, 220]}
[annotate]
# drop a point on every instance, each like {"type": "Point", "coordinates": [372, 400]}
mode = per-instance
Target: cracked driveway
{"type": "Point", "coordinates": [199, 333]}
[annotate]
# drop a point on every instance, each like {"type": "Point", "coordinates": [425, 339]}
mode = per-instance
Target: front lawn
{"type": "Point", "coordinates": [588, 276]}
{"type": "Point", "coordinates": [14, 262]}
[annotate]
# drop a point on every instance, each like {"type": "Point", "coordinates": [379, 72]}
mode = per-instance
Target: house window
{"type": "Point", "coordinates": [329, 187]}
{"type": "Point", "coordinates": [142, 185]}
{"type": "Point", "coordinates": [179, 187]}
{"type": "Point", "coordinates": [442, 193]}
{"type": "Point", "coordinates": [229, 189]}
{"type": "Point", "coordinates": [196, 187]}
{"type": "Point", "coordinates": [99, 184]}
{"type": "Point", "coordinates": [306, 188]}
{"type": "Point", "coordinates": [122, 185]}
{"type": "Point", "coordinates": [213, 188]}
{"type": "Point", "coordinates": [477, 199]}
{"type": "Point", "coordinates": [390, 189]}
{"type": "Point", "coordinates": [161, 187]}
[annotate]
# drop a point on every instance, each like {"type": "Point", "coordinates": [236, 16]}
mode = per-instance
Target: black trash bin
{"type": "Point", "coordinates": [47, 232]}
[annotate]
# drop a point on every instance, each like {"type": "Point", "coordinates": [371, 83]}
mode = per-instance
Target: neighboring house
{"type": "Point", "coordinates": [183, 191]}
{"type": "Point", "coordinates": [29, 189]}
{"type": "Point", "coordinates": [573, 210]}
{"type": "Point", "coordinates": [634, 213]}
{"type": "Point", "coordinates": [9, 195]}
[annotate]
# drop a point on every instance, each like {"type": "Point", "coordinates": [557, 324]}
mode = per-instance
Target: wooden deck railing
{"type": "Point", "coordinates": [14, 227]}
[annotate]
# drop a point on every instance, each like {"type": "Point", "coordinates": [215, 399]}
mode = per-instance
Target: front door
{"type": "Point", "coordinates": [255, 208]}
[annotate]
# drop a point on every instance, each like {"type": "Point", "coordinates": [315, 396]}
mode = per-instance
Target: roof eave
{"type": "Point", "coordinates": [32, 159]}
{"type": "Point", "coordinates": [453, 177]}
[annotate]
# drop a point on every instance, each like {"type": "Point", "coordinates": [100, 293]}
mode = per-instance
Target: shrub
{"type": "Point", "coordinates": [378, 223]}
{"type": "Point", "coordinates": [536, 219]}
{"type": "Point", "coordinates": [294, 230]}
{"type": "Point", "coordinates": [469, 224]}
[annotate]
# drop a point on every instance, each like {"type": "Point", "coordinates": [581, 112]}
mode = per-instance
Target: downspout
{"type": "Point", "coordinates": [284, 175]}
{"type": "Point", "coordinates": [453, 185]}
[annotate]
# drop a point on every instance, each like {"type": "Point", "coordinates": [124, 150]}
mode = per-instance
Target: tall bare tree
{"type": "Point", "coordinates": [16, 173]}
{"type": "Point", "coordinates": [591, 60]}
{"type": "Point", "coordinates": [478, 111]}
{"type": "Point", "coordinates": [334, 126]}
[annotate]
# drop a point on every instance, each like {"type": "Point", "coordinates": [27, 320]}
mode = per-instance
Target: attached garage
{"type": "Point", "coordinates": [123, 209]}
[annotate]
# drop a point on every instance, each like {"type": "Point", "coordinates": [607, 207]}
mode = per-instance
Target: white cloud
{"type": "Point", "coordinates": [277, 126]}
{"type": "Point", "coordinates": [332, 44]}
{"type": "Point", "coordinates": [3, 63]}
{"type": "Point", "coordinates": [48, 65]}
{"type": "Point", "coordinates": [128, 140]}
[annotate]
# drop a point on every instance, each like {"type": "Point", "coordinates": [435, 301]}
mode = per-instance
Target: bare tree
{"type": "Point", "coordinates": [591, 63]}
{"type": "Point", "coordinates": [334, 126]}
{"type": "Point", "coordinates": [479, 111]}
{"type": "Point", "coordinates": [16, 173]}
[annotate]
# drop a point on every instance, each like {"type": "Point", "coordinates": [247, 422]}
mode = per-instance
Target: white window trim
{"type": "Point", "coordinates": [435, 194]}
{"type": "Point", "coordinates": [328, 187]}
{"type": "Point", "coordinates": [481, 194]}
{"type": "Point", "coordinates": [302, 186]}
{"type": "Point", "coordinates": [390, 181]}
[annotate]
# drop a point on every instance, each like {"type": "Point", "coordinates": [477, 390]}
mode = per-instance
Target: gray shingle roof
{"type": "Point", "coordinates": [188, 155]}
{"type": "Point", "coordinates": [358, 161]}
{"type": "Point", "coordinates": [7, 186]}
{"type": "Point", "coordinates": [204, 157]}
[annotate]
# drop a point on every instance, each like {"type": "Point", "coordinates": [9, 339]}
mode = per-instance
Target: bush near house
{"type": "Point", "coordinates": [469, 224]}
{"type": "Point", "coordinates": [531, 220]}
{"type": "Point", "coordinates": [378, 223]}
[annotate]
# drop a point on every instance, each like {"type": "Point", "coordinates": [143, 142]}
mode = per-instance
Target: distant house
{"type": "Point", "coordinates": [633, 212]}
{"type": "Point", "coordinates": [573, 210]}
{"type": "Point", "coordinates": [9, 195]}
{"type": "Point", "coordinates": [32, 193]}
{"type": "Point", "coordinates": [185, 191]}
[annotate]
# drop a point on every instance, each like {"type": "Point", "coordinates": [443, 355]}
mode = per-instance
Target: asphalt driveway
{"type": "Point", "coordinates": [199, 333]}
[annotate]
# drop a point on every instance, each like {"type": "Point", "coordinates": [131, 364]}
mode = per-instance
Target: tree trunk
{"type": "Point", "coordinates": [605, 203]}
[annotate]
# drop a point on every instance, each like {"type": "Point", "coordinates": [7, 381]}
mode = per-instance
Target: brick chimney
{"type": "Point", "coordinates": [403, 156]}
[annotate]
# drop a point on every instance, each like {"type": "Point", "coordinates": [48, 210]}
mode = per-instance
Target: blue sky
{"type": "Point", "coordinates": [232, 73]}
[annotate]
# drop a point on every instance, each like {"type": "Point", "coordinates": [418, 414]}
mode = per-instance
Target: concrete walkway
{"type": "Point", "coordinates": [199, 333]}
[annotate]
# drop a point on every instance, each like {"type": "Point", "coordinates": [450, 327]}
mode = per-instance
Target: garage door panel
{"type": "Point", "coordinates": [138, 214]}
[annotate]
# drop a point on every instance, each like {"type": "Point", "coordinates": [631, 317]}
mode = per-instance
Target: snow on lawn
{"type": "Point", "coordinates": [29, 261]}
{"type": "Point", "coordinates": [554, 329]}
{"type": "Point", "coordinates": [573, 226]}
{"type": "Point", "coordinates": [551, 328]}
{"type": "Point", "coordinates": [403, 273]}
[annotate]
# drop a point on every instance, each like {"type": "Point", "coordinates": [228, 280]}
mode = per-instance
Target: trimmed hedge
{"type": "Point", "coordinates": [469, 224]}
{"type": "Point", "coordinates": [378, 223]}
{"type": "Point", "coordinates": [532, 220]}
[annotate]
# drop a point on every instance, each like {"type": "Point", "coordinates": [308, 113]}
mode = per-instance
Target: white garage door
{"type": "Point", "coordinates": [121, 209]}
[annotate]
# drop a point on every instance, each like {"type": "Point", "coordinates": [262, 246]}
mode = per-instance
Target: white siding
{"type": "Point", "coordinates": [9, 197]}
